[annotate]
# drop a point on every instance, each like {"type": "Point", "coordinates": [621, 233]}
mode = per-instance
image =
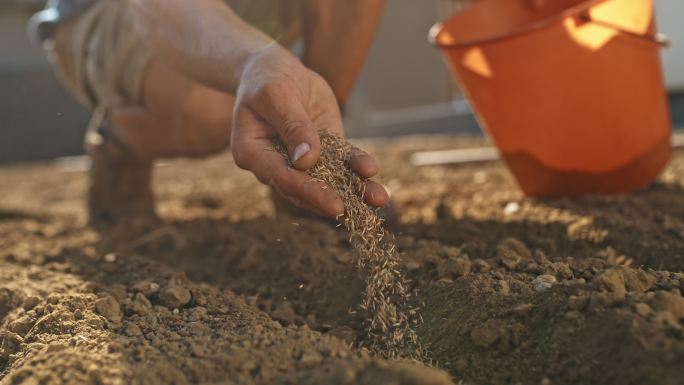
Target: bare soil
{"type": "Point", "coordinates": [223, 290]}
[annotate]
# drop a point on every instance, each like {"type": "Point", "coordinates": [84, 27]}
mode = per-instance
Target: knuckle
{"type": "Point", "coordinates": [268, 91]}
{"type": "Point", "coordinates": [277, 180]}
{"type": "Point", "coordinates": [286, 184]}
{"type": "Point", "coordinates": [291, 127]}
{"type": "Point", "coordinates": [316, 77]}
{"type": "Point", "coordinates": [273, 179]}
{"type": "Point", "coordinates": [242, 157]}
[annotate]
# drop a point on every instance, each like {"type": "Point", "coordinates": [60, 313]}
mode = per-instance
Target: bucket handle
{"type": "Point", "coordinates": [657, 38]}
{"type": "Point", "coordinates": [582, 17]}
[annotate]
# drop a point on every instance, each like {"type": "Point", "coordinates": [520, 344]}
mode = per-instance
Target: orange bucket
{"type": "Point", "coordinates": [571, 92]}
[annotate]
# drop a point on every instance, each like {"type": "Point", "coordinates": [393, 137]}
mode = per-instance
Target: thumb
{"type": "Point", "coordinates": [287, 116]}
{"type": "Point", "coordinates": [300, 137]}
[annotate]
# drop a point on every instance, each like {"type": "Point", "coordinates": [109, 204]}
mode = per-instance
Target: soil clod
{"type": "Point", "coordinates": [511, 252]}
{"type": "Point", "coordinates": [108, 307]}
{"type": "Point", "coordinates": [544, 282]}
{"type": "Point", "coordinates": [174, 296]}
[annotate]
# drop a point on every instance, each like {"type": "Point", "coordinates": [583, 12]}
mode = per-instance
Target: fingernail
{"type": "Point", "coordinates": [300, 151]}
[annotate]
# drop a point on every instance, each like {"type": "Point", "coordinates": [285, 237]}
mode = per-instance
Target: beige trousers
{"type": "Point", "coordinates": [101, 60]}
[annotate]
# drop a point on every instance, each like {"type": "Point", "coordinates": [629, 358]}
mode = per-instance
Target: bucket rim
{"type": "Point", "coordinates": [438, 27]}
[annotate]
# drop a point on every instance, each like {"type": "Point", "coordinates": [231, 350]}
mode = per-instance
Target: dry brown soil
{"type": "Point", "coordinates": [222, 291]}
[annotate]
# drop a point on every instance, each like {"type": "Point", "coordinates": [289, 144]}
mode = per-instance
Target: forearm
{"type": "Point", "coordinates": [338, 35]}
{"type": "Point", "coordinates": [202, 39]}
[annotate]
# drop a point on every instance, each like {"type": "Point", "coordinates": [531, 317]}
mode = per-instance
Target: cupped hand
{"type": "Point", "coordinates": [278, 97]}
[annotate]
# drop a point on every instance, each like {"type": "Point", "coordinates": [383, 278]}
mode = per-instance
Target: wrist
{"type": "Point", "coordinates": [268, 63]}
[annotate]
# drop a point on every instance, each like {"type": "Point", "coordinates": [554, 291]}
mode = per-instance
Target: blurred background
{"type": "Point", "coordinates": [405, 87]}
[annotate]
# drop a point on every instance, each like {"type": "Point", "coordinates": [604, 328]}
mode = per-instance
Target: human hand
{"type": "Point", "coordinates": [278, 97]}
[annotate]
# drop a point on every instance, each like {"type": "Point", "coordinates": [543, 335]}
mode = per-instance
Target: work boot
{"type": "Point", "coordinates": [120, 180]}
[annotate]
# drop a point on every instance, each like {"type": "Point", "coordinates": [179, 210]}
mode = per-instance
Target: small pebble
{"type": "Point", "coordinates": [197, 314]}
{"type": "Point", "coordinates": [511, 252]}
{"type": "Point", "coordinates": [543, 282]}
{"type": "Point", "coordinates": [146, 287]}
{"type": "Point", "coordinates": [412, 265]}
{"type": "Point", "coordinates": [108, 307]}
{"type": "Point", "coordinates": [511, 208]}
{"type": "Point", "coordinates": [454, 267]}
{"type": "Point", "coordinates": [31, 302]}
{"type": "Point", "coordinates": [21, 326]}
{"type": "Point", "coordinates": [573, 315]}
{"type": "Point", "coordinates": [174, 296]}
{"type": "Point", "coordinates": [643, 309]}
{"type": "Point", "coordinates": [502, 287]}
{"type": "Point", "coordinates": [141, 305]}
{"type": "Point", "coordinates": [196, 349]}
{"type": "Point", "coordinates": [578, 302]}
{"type": "Point", "coordinates": [461, 365]}
{"type": "Point", "coordinates": [310, 358]}
{"type": "Point", "coordinates": [132, 330]}
{"type": "Point", "coordinates": [523, 309]}
{"type": "Point", "coordinates": [481, 266]}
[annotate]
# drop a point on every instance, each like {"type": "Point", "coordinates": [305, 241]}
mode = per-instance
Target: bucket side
{"type": "Point", "coordinates": [570, 106]}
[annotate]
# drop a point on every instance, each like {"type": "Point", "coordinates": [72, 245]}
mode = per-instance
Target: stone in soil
{"type": "Point", "coordinates": [174, 296]}
{"type": "Point", "coordinates": [109, 308]}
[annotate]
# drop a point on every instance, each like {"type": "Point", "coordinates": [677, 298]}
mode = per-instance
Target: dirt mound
{"type": "Point", "coordinates": [512, 290]}
{"type": "Point", "coordinates": [126, 319]}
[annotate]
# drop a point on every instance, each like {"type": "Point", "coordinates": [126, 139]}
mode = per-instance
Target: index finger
{"type": "Point", "coordinates": [255, 151]}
